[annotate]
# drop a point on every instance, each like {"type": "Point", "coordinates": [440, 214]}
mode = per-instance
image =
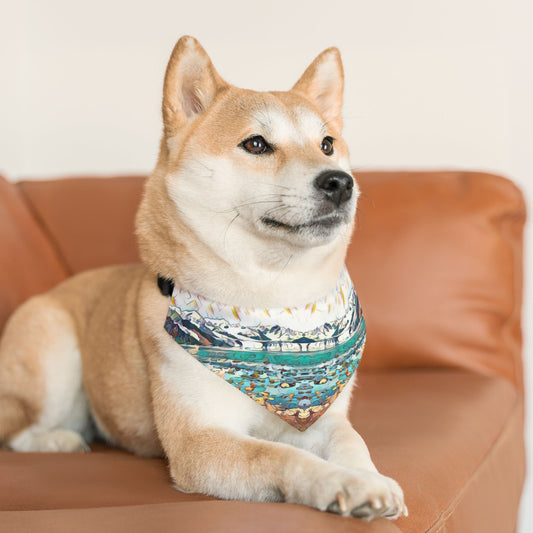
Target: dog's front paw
{"type": "Point", "coordinates": [359, 493]}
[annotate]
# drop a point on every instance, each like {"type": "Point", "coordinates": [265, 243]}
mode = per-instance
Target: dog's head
{"type": "Point", "coordinates": [242, 166]}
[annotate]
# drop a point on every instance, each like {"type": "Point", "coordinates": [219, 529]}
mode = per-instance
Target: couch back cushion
{"type": "Point", "coordinates": [435, 257]}
{"type": "Point", "coordinates": [29, 263]}
{"type": "Point", "coordinates": [437, 261]}
{"type": "Point", "coordinates": [90, 220]}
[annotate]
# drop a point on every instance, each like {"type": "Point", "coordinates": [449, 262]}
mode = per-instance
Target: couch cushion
{"type": "Point", "coordinates": [29, 263]}
{"type": "Point", "coordinates": [442, 434]}
{"type": "Point", "coordinates": [201, 517]}
{"type": "Point", "coordinates": [437, 261]}
{"type": "Point", "coordinates": [89, 219]}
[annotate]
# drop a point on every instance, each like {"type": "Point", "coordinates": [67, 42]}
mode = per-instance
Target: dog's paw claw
{"type": "Point", "coordinates": [339, 505]}
{"type": "Point", "coordinates": [341, 500]}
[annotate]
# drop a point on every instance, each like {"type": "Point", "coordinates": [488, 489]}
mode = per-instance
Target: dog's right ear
{"type": "Point", "coordinates": [191, 84]}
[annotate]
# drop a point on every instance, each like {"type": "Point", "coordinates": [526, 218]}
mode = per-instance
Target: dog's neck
{"type": "Point", "coordinates": [264, 273]}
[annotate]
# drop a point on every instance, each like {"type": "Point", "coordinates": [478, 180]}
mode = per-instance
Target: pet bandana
{"type": "Point", "coordinates": [294, 361]}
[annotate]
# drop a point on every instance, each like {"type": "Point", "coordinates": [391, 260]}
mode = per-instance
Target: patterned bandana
{"type": "Point", "coordinates": [294, 361]}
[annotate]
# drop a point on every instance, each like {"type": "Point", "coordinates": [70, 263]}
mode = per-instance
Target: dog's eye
{"type": "Point", "coordinates": [256, 145]}
{"type": "Point", "coordinates": [327, 145]}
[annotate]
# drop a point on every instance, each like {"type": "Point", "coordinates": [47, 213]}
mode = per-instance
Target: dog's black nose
{"type": "Point", "coordinates": [336, 185]}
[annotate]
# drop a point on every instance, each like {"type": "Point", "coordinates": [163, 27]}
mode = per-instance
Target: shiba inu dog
{"type": "Point", "coordinates": [250, 206]}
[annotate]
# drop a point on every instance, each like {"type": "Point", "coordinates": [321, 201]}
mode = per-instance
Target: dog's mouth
{"type": "Point", "coordinates": [320, 223]}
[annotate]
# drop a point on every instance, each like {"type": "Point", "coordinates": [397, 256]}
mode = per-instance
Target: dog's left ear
{"type": "Point", "coordinates": [323, 83]}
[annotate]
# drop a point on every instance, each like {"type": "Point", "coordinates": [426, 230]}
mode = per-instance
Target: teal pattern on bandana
{"type": "Point", "coordinates": [294, 361]}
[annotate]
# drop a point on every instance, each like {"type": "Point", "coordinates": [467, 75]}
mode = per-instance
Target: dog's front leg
{"type": "Point", "coordinates": [230, 465]}
{"type": "Point", "coordinates": [343, 446]}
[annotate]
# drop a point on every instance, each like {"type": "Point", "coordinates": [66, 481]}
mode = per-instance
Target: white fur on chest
{"type": "Point", "coordinates": [215, 402]}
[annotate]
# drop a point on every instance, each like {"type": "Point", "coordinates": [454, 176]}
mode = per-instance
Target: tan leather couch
{"type": "Point", "coordinates": [437, 262]}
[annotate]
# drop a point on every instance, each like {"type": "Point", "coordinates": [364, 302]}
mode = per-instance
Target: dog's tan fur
{"type": "Point", "coordinates": [93, 351]}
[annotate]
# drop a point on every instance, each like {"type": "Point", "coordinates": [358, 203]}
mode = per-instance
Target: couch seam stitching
{"type": "Point", "coordinates": [45, 228]}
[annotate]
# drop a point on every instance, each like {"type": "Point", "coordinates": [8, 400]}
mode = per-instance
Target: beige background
{"type": "Point", "coordinates": [429, 84]}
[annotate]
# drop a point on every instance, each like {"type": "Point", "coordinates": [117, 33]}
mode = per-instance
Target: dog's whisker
{"type": "Point", "coordinates": [246, 204]}
{"type": "Point", "coordinates": [198, 162]}
{"type": "Point", "coordinates": [263, 199]}
{"type": "Point", "coordinates": [274, 185]}
{"type": "Point", "coordinates": [298, 196]}
{"type": "Point", "coordinates": [256, 203]}
{"type": "Point", "coordinates": [227, 228]}
{"type": "Point", "coordinates": [270, 211]}
{"type": "Point", "coordinates": [283, 267]}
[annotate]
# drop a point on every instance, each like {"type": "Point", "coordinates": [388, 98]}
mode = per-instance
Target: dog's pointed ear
{"type": "Point", "coordinates": [323, 83]}
{"type": "Point", "coordinates": [191, 84]}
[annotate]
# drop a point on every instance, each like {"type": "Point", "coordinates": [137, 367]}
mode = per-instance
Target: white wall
{"type": "Point", "coordinates": [429, 84]}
